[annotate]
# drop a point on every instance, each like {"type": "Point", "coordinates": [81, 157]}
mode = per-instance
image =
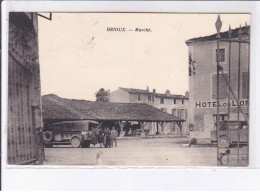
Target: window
{"type": "Point", "coordinates": [182, 101]}
{"type": "Point", "coordinates": [222, 117]}
{"type": "Point", "coordinates": [149, 98]}
{"type": "Point", "coordinates": [139, 97]}
{"type": "Point", "coordinates": [181, 113]}
{"type": "Point", "coordinates": [221, 55]}
{"type": "Point", "coordinates": [245, 85]}
{"type": "Point", "coordinates": [162, 101]}
{"type": "Point", "coordinates": [164, 109]}
{"type": "Point", "coordinates": [223, 86]}
{"type": "Point", "coordinates": [174, 111]}
{"type": "Point", "coordinates": [174, 101]}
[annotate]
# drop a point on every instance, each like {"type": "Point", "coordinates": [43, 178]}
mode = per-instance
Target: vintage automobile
{"type": "Point", "coordinates": [70, 132]}
{"type": "Point", "coordinates": [228, 134]}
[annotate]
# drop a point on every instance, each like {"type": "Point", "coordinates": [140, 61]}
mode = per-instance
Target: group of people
{"type": "Point", "coordinates": [104, 136]}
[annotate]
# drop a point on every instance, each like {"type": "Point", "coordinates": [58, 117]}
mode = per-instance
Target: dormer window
{"type": "Point", "coordinates": [162, 101]}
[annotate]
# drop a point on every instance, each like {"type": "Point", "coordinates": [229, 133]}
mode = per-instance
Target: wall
{"type": "Point", "coordinates": [169, 105]}
{"type": "Point", "coordinates": [119, 95]}
{"type": "Point", "coordinates": [202, 103]}
{"type": "Point", "coordinates": [144, 99]}
{"type": "Point", "coordinates": [122, 96]}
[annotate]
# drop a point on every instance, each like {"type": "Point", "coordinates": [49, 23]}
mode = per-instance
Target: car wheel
{"type": "Point", "coordinates": [47, 136]}
{"type": "Point", "coordinates": [223, 142]}
{"type": "Point", "coordinates": [75, 142]}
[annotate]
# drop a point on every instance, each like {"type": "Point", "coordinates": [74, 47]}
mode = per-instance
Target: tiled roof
{"type": "Point", "coordinates": [171, 96]}
{"type": "Point", "coordinates": [224, 35]}
{"type": "Point", "coordinates": [56, 108]}
{"type": "Point", "coordinates": [136, 91]}
{"type": "Point", "coordinates": [159, 95]}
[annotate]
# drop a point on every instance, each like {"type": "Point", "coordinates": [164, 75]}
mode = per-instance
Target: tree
{"type": "Point", "coordinates": [102, 95]}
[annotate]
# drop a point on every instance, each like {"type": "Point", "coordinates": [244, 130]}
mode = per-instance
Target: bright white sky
{"type": "Point", "coordinates": [73, 66]}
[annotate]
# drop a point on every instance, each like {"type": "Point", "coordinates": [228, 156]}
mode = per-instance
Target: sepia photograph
{"type": "Point", "coordinates": [128, 89]}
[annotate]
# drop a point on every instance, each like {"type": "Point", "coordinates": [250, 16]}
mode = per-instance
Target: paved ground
{"type": "Point", "coordinates": [136, 152]}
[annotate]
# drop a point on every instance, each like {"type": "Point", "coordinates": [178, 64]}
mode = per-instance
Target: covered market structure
{"type": "Point", "coordinates": [57, 109]}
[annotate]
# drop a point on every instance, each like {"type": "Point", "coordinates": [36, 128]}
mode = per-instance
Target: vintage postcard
{"type": "Point", "coordinates": [128, 89]}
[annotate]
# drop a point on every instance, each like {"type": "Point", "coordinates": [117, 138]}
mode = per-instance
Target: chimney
{"type": "Point", "coordinates": [187, 94]}
{"type": "Point", "coordinates": [154, 91]}
{"type": "Point", "coordinates": [167, 92]}
{"type": "Point", "coordinates": [147, 88]}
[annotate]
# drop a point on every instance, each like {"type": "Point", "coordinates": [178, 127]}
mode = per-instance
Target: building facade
{"type": "Point", "coordinates": [203, 80]}
{"type": "Point", "coordinates": [167, 102]}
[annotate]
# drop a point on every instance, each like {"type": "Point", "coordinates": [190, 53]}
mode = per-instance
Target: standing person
{"type": "Point", "coordinates": [126, 128]}
{"type": "Point", "coordinates": [113, 136]}
{"type": "Point", "coordinates": [100, 136]}
{"type": "Point", "coordinates": [118, 128]}
{"type": "Point", "coordinates": [94, 139]}
{"type": "Point", "coordinates": [107, 134]}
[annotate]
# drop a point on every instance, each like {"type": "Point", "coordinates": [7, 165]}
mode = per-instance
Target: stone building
{"type": "Point", "coordinates": [170, 103]}
{"type": "Point", "coordinates": [203, 80]}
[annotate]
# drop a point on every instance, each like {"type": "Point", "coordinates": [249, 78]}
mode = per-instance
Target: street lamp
{"type": "Point", "coordinates": [218, 25]}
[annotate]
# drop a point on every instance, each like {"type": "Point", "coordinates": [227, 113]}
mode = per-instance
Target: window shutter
{"type": "Point", "coordinates": [179, 113]}
{"type": "Point", "coordinates": [223, 87]}
{"type": "Point", "coordinates": [174, 112]}
{"type": "Point", "coordinates": [214, 86]}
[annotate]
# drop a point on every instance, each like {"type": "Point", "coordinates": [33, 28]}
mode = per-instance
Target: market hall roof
{"type": "Point", "coordinates": [159, 95]}
{"type": "Point", "coordinates": [54, 107]}
{"type": "Point", "coordinates": [224, 35]}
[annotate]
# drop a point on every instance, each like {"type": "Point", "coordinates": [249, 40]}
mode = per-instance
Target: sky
{"type": "Point", "coordinates": [78, 56]}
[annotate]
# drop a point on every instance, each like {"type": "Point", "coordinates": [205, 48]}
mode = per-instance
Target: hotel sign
{"type": "Point", "coordinates": [212, 104]}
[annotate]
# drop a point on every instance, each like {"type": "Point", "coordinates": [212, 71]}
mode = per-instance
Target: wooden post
{"type": "Point", "coordinates": [180, 126]}
{"type": "Point", "coordinates": [121, 125]}
{"type": "Point", "coordinates": [157, 128]}
{"type": "Point", "coordinates": [142, 128]}
{"type": "Point", "coordinates": [162, 125]}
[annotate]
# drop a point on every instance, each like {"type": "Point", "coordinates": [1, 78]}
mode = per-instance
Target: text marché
{"type": "Point", "coordinates": [115, 29]}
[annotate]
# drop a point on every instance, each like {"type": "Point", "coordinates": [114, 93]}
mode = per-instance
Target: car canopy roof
{"type": "Point", "coordinates": [73, 125]}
